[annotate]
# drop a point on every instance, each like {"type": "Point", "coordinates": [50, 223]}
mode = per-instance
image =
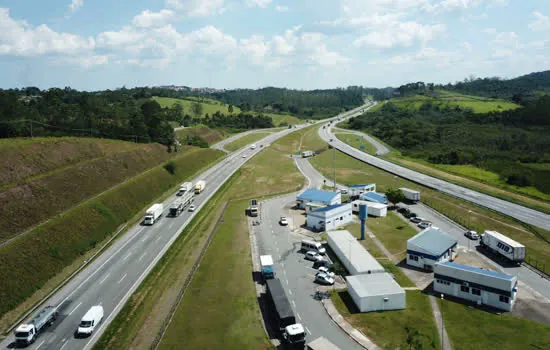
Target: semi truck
{"type": "Point", "coordinates": [184, 188]}
{"type": "Point", "coordinates": [27, 333]}
{"type": "Point", "coordinates": [199, 186]}
{"type": "Point", "coordinates": [306, 154]}
{"type": "Point", "coordinates": [500, 244]}
{"type": "Point", "coordinates": [176, 208]}
{"type": "Point", "coordinates": [267, 266]}
{"type": "Point", "coordinates": [153, 214]}
{"type": "Point", "coordinates": [293, 333]}
{"type": "Point", "coordinates": [411, 195]}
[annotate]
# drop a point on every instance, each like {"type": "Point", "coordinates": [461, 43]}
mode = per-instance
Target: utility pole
{"type": "Point", "coordinates": [334, 167]}
{"type": "Point", "coordinates": [31, 129]}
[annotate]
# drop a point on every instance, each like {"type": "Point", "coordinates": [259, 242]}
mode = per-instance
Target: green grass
{"type": "Point", "coordinates": [356, 141]}
{"type": "Point", "coordinates": [398, 274]}
{"type": "Point", "coordinates": [471, 328]}
{"type": "Point", "coordinates": [388, 329]}
{"type": "Point", "coordinates": [393, 232]}
{"type": "Point", "coordinates": [211, 136]}
{"type": "Point", "coordinates": [209, 106]}
{"type": "Point", "coordinates": [351, 171]}
{"type": "Point", "coordinates": [245, 140]}
{"type": "Point", "coordinates": [281, 118]}
{"type": "Point", "coordinates": [28, 263]}
{"type": "Point", "coordinates": [368, 243]}
{"type": "Point", "coordinates": [306, 139]}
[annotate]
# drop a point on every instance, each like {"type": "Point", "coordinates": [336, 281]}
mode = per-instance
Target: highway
{"type": "Point", "coordinates": [112, 277]}
{"type": "Point", "coordinates": [521, 213]}
{"type": "Point", "coordinates": [381, 149]}
{"type": "Point", "coordinates": [220, 145]}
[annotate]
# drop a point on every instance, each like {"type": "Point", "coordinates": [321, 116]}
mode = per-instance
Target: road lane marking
{"type": "Point", "coordinates": [293, 303]}
{"type": "Point", "coordinates": [39, 345]}
{"type": "Point", "coordinates": [144, 239]}
{"type": "Point", "coordinates": [142, 255]}
{"type": "Point", "coordinates": [61, 348]}
{"type": "Point", "coordinates": [104, 278]}
{"type": "Point", "coordinates": [298, 315]}
{"type": "Point", "coordinates": [290, 291]}
{"type": "Point", "coordinates": [308, 331]}
{"type": "Point", "coordinates": [120, 280]}
{"type": "Point", "coordinates": [70, 313]}
{"type": "Point", "coordinates": [157, 238]}
{"type": "Point", "coordinates": [127, 255]}
{"type": "Point", "coordinates": [171, 225]}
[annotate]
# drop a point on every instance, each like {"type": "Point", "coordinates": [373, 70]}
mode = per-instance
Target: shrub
{"type": "Point", "coordinates": [170, 167]}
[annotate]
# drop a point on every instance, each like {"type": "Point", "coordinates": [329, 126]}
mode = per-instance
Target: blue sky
{"type": "Point", "coordinates": [305, 44]}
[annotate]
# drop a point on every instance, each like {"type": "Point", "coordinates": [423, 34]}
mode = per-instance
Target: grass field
{"type": "Point", "coordinates": [306, 139]}
{"type": "Point", "coordinates": [234, 322]}
{"type": "Point", "coordinates": [391, 329]}
{"type": "Point", "coordinates": [211, 136]}
{"type": "Point", "coordinates": [471, 328]}
{"type": "Point", "coordinates": [356, 141]}
{"type": "Point", "coordinates": [350, 171]}
{"type": "Point", "coordinates": [29, 264]}
{"type": "Point", "coordinates": [64, 173]}
{"type": "Point", "coordinates": [245, 140]}
{"type": "Point", "coordinates": [393, 232]}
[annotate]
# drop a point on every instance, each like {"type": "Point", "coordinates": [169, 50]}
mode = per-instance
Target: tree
{"type": "Point", "coordinates": [230, 109]}
{"type": "Point", "coordinates": [395, 195]}
{"type": "Point", "coordinates": [196, 109]}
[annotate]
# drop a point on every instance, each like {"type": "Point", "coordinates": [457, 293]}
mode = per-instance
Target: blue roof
{"type": "Point", "coordinates": [361, 185]}
{"type": "Point", "coordinates": [479, 270]}
{"type": "Point", "coordinates": [373, 196]}
{"type": "Point", "coordinates": [434, 241]}
{"type": "Point", "coordinates": [313, 195]}
{"type": "Point", "coordinates": [330, 207]}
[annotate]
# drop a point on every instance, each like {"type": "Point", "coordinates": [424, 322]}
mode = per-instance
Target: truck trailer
{"type": "Point", "coordinates": [153, 214]}
{"type": "Point", "coordinates": [307, 154]}
{"type": "Point", "coordinates": [267, 266]}
{"type": "Point", "coordinates": [184, 188]}
{"type": "Point", "coordinates": [176, 208]}
{"type": "Point", "coordinates": [500, 244]}
{"type": "Point", "coordinates": [199, 186]}
{"type": "Point", "coordinates": [293, 333]}
{"type": "Point", "coordinates": [411, 195]}
{"type": "Point", "coordinates": [27, 333]}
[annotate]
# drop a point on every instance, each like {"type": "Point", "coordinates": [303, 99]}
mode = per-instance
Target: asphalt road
{"type": "Point", "coordinates": [380, 148]}
{"type": "Point", "coordinates": [112, 278]}
{"type": "Point", "coordinates": [220, 145]}
{"type": "Point", "coordinates": [521, 213]}
{"type": "Point", "coordinates": [297, 275]}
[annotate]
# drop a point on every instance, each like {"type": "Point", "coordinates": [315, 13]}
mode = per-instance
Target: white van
{"type": "Point", "coordinates": [314, 246]}
{"type": "Point", "coordinates": [91, 319]}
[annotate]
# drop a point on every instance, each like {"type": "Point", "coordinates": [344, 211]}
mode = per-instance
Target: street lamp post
{"type": "Point", "coordinates": [442, 329]}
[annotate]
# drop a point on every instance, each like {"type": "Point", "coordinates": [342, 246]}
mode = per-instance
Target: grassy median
{"type": "Point", "coordinates": [245, 140]}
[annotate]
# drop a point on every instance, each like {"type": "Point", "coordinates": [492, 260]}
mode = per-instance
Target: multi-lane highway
{"type": "Point", "coordinates": [111, 278]}
{"type": "Point", "coordinates": [521, 213]}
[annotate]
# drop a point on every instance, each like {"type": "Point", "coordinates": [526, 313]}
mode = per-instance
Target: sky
{"type": "Point", "coordinates": [302, 44]}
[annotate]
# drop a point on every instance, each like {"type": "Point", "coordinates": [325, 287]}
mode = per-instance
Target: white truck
{"type": "Point", "coordinates": [179, 205]}
{"type": "Point", "coordinates": [26, 333]}
{"type": "Point", "coordinates": [185, 187]}
{"type": "Point", "coordinates": [307, 154]}
{"type": "Point", "coordinates": [90, 321]}
{"type": "Point", "coordinates": [500, 244]}
{"type": "Point", "coordinates": [199, 186]}
{"type": "Point", "coordinates": [267, 266]}
{"type": "Point", "coordinates": [153, 214]}
{"type": "Point", "coordinates": [411, 195]}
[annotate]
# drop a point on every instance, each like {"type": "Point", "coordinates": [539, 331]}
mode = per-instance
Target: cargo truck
{"type": "Point", "coordinates": [153, 214]}
{"type": "Point", "coordinates": [267, 266]}
{"type": "Point", "coordinates": [306, 154]}
{"type": "Point", "coordinates": [199, 186]}
{"type": "Point", "coordinates": [500, 244]}
{"type": "Point", "coordinates": [26, 333]}
{"type": "Point", "coordinates": [293, 333]}
{"type": "Point", "coordinates": [411, 195]}
{"type": "Point", "coordinates": [253, 209]}
{"type": "Point", "coordinates": [176, 208]}
{"type": "Point", "coordinates": [184, 188]}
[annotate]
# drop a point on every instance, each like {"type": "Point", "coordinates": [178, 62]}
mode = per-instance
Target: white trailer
{"type": "Point", "coordinates": [411, 195]}
{"type": "Point", "coordinates": [153, 214]}
{"type": "Point", "coordinates": [499, 243]}
{"type": "Point", "coordinates": [199, 186]}
{"type": "Point", "coordinates": [26, 333]}
{"type": "Point", "coordinates": [185, 187]}
{"type": "Point", "coordinates": [266, 262]}
{"type": "Point", "coordinates": [306, 154]}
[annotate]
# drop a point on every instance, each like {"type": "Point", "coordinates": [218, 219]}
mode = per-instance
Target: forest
{"type": "Point", "coordinates": [514, 144]}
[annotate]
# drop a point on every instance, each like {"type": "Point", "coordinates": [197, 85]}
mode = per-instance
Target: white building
{"type": "Point", "coordinates": [356, 190]}
{"type": "Point", "coordinates": [356, 259]}
{"type": "Point", "coordinates": [480, 286]}
{"type": "Point", "coordinates": [329, 218]}
{"type": "Point", "coordinates": [373, 209]}
{"type": "Point", "coordinates": [430, 247]}
{"type": "Point", "coordinates": [376, 292]}
{"type": "Point", "coordinates": [313, 206]}
{"type": "Point", "coordinates": [318, 197]}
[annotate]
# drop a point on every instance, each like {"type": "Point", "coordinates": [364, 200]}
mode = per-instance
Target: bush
{"type": "Point", "coordinates": [170, 167]}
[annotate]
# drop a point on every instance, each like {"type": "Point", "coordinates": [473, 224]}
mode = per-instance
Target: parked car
{"type": "Point", "coordinates": [411, 215]}
{"type": "Point", "coordinates": [471, 235]}
{"type": "Point", "coordinates": [326, 270]}
{"type": "Point", "coordinates": [313, 256]}
{"type": "Point", "coordinates": [283, 221]}
{"type": "Point", "coordinates": [424, 224]}
{"type": "Point", "coordinates": [416, 219]}
{"type": "Point", "coordinates": [323, 278]}
{"type": "Point", "coordinates": [343, 191]}
{"type": "Point", "coordinates": [323, 263]}
{"type": "Point", "coordinates": [244, 155]}
{"type": "Point", "coordinates": [330, 140]}
{"type": "Point", "coordinates": [404, 211]}
{"type": "Point", "coordinates": [192, 207]}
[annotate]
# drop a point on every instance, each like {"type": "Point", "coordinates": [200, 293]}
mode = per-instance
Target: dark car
{"type": "Point", "coordinates": [324, 263]}
{"type": "Point", "coordinates": [416, 219]}
{"type": "Point", "coordinates": [404, 211]}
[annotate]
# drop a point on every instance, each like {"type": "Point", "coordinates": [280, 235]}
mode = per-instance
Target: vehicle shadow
{"type": "Point", "coordinates": [499, 259]}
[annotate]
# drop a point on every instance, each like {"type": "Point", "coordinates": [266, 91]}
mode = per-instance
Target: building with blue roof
{"type": "Point", "coordinates": [481, 286]}
{"type": "Point", "coordinates": [356, 190]}
{"type": "Point", "coordinates": [430, 247]}
{"type": "Point", "coordinates": [374, 197]}
{"type": "Point", "coordinates": [318, 197]}
{"type": "Point", "coordinates": [329, 217]}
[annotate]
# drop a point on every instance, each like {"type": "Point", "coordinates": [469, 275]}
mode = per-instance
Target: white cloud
{"type": "Point", "coordinates": [153, 19]}
{"type": "Point", "coordinates": [75, 5]}
{"type": "Point", "coordinates": [197, 8]}
{"type": "Point", "coordinates": [257, 3]}
{"type": "Point", "coordinates": [452, 5]}
{"type": "Point", "coordinates": [400, 34]}
{"type": "Point", "coordinates": [280, 8]}
{"type": "Point", "coordinates": [540, 23]}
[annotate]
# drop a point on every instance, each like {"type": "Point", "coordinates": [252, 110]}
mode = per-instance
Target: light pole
{"type": "Point", "coordinates": [334, 167]}
{"type": "Point", "coordinates": [442, 329]}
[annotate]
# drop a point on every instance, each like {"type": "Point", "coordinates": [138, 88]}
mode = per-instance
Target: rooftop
{"type": "Point", "coordinates": [505, 239]}
{"type": "Point", "coordinates": [374, 284]}
{"type": "Point", "coordinates": [478, 270]}
{"type": "Point", "coordinates": [314, 195]}
{"type": "Point", "coordinates": [362, 185]}
{"type": "Point", "coordinates": [358, 256]}
{"type": "Point", "coordinates": [374, 195]}
{"type": "Point", "coordinates": [433, 240]}
{"type": "Point", "coordinates": [329, 208]}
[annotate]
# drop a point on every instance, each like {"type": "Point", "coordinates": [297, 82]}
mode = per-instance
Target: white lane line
{"type": "Point", "coordinates": [104, 278]}
{"type": "Point", "coordinates": [290, 291]}
{"type": "Point", "coordinates": [61, 348]}
{"type": "Point", "coordinates": [144, 239]}
{"type": "Point", "coordinates": [39, 345]}
{"type": "Point", "coordinates": [157, 238]}
{"type": "Point", "coordinates": [76, 307]}
{"type": "Point", "coordinates": [142, 255]}
{"type": "Point", "coordinates": [286, 281]}
{"type": "Point", "coordinates": [120, 280]}
{"type": "Point", "coordinates": [293, 303]}
{"type": "Point", "coordinates": [307, 329]}
{"type": "Point", "coordinates": [298, 315]}
{"type": "Point", "coordinates": [127, 255]}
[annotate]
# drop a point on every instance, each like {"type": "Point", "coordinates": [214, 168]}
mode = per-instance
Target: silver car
{"type": "Point", "coordinates": [323, 278]}
{"type": "Point", "coordinates": [313, 256]}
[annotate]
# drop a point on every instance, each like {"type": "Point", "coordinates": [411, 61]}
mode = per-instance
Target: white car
{"type": "Point", "coordinates": [244, 155]}
{"type": "Point", "coordinates": [253, 147]}
{"type": "Point", "coordinates": [313, 256]}
{"type": "Point", "coordinates": [326, 271]}
{"type": "Point", "coordinates": [424, 224]}
{"type": "Point", "coordinates": [472, 235]}
{"type": "Point", "coordinates": [323, 278]}
{"type": "Point", "coordinates": [283, 221]}
{"type": "Point", "coordinates": [192, 207]}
